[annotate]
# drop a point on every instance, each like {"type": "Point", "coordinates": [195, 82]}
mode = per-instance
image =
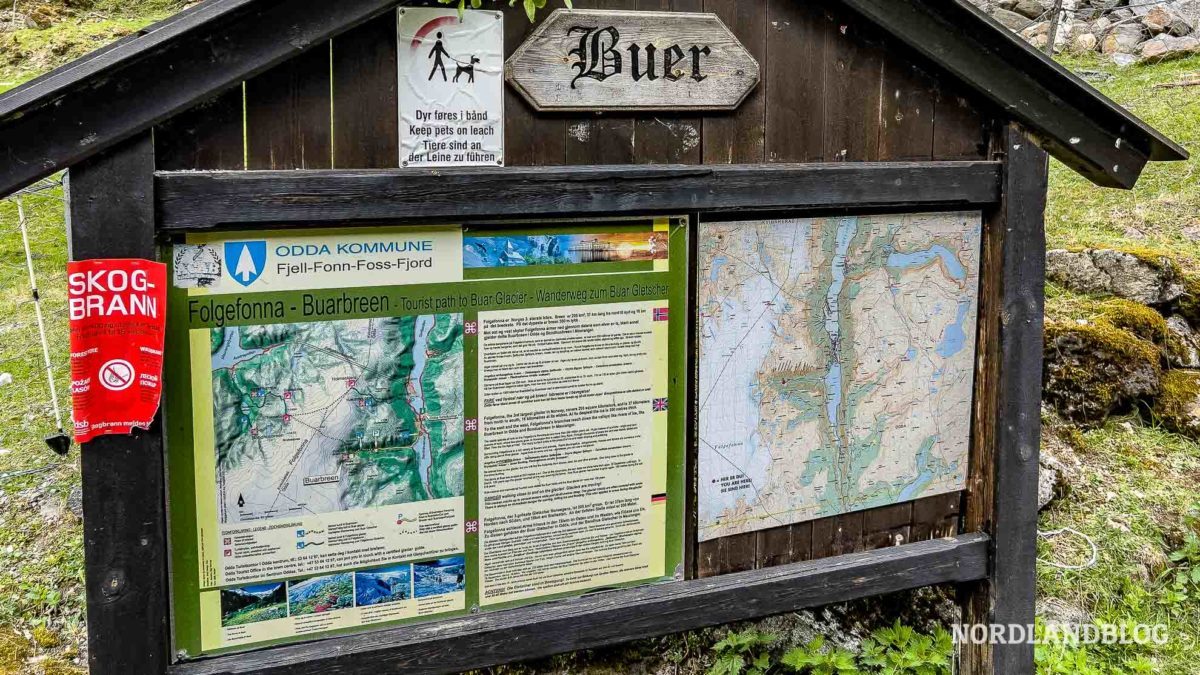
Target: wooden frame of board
{"type": "Point", "coordinates": [121, 207]}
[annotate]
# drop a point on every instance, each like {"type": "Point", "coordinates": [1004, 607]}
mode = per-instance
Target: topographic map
{"type": "Point", "coordinates": [837, 365]}
{"type": "Point", "coordinates": [323, 417]}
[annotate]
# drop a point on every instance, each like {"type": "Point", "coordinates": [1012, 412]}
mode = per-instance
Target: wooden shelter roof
{"type": "Point", "coordinates": [88, 105]}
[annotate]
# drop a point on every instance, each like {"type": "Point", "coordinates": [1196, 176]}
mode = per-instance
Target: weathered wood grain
{"type": "Point", "coordinates": [739, 137]}
{"type": "Point", "coordinates": [837, 535]}
{"type": "Point", "coordinates": [289, 114]}
{"type": "Point", "coordinates": [1085, 132]}
{"type": "Point", "coordinates": [208, 136]}
{"type": "Point", "coordinates": [616, 50]}
{"type": "Point", "coordinates": [83, 108]}
{"type": "Point", "coordinates": [795, 81]}
{"type": "Point", "coordinates": [110, 202]}
{"type": "Point", "coordinates": [936, 517]}
{"type": "Point", "coordinates": [909, 96]}
{"type": "Point", "coordinates": [365, 105]}
{"type": "Point", "coordinates": [606, 618]}
{"type": "Point", "coordinates": [1018, 434]}
{"type": "Point", "coordinates": [601, 137]}
{"type": "Point", "coordinates": [853, 77]}
{"type": "Point", "coordinates": [668, 138]}
{"type": "Point", "coordinates": [524, 134]}
{"type": "Point", "coordinates": [887, 526]}
{"type": "Point", "coordinates": [1008, 596]}
{"type": "Point", "coordinates": [210, 199]}
{"type": "Point", "coordinates": [785, 545]}
{"type": "Point", "coordinates": [961, 128]}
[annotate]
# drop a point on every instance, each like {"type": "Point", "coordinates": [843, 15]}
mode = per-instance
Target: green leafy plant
{"type": "Point", "coordinates": [531, 6]}
{"type": "Point", "coordinates": [899, 650]}
{"type": "Point", "coordinates": [744, 653]}
{"type": "Point", "coordinates": [1062, 659]}
{"type": "Point", "coordinates": [815, 659]}
{"type": "Point", "coordinates": [1181, 581]}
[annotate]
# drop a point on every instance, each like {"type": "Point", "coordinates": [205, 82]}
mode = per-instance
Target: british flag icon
{"type": "Point", "coordinates": [660, 405]}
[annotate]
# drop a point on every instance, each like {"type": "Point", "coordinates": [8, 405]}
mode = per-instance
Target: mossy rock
{"type": "Point", "coordinates": [1094, 369]}
{"type": "Point", "coordinates": [53, 666]}
{"type": "Point", "coordinates": [14, 650]}
{"type": "Point", "coordinates": [45, 638]}
{"type": "Point", "coordinates": [1177, 406]}
{"type": "Point", "coordinates": [1145, 323]}
{"type": "Point", "coordinates": [1188, 305]}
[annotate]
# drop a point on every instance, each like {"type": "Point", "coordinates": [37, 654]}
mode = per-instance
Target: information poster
{"type": "Point", "coordinates": [451, 88]}
{"type": "Point", "coordinates": [383, 425]}
{"type": "Point", "coordinates": [837, 362]}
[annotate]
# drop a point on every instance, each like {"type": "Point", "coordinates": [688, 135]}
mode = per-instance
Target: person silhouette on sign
{"type": "Point", "coordinates": [438, 52]}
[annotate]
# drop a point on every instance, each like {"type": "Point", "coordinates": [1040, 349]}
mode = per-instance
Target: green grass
{"type": "Point", "coordinates": [41, 541]}
{"type": "Point", "coordinates": [1137, 483]}
{"type": "Point", "coordinates": [1135, 488]}
{"type": "Point", "coordinates": [29, 52]}
{"type": "Point", "coordinates": [1164, 208]}
{"type": "Point", "coordinates": [1133, 494]}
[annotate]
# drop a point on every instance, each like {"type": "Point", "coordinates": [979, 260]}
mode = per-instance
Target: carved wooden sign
{"type": "Point", "coordinates": [594, 60]}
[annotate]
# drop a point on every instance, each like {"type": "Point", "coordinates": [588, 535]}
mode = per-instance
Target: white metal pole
{"type": "Point", "coordinates": [37, 308]}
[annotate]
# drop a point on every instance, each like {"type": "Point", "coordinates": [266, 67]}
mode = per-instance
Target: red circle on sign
{"type": "Point", "coordinates": [117, 375]}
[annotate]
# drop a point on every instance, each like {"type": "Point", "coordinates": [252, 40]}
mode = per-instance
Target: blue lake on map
{"type": "Point", "coordinates": [424, 324]}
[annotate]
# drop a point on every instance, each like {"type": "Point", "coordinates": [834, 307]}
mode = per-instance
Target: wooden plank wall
{"type": "Point", "coordinates": [833, 89]}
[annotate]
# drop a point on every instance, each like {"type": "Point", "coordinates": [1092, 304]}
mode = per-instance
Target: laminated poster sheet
{"type": "Point", "coordinates": [374, 426]}
{"type": "Point", "coordinates": [844, 346]}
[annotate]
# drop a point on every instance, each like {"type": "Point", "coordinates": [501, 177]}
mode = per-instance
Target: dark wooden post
{"type": "Point", "coordinates": [1007, 597]}
{"type": "Point", "coordinates": [110, 209]}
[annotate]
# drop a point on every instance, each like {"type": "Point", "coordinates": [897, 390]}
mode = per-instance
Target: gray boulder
{"type": "Point", "coordinates": [1149, 280]}
{"type": "Point", "coordinates": [1186, 342]}
{"type": "Point", "coordinates": [1061, 612]}
{"type": "Point", "coordinates": [1010, 19]}
{"type": "Point", "coordinates": [1054, 469]}
{"type": "Point", "coordinates": [1165, 19]}
{"type": "Point", "coordinates": [1085, 43]}
{"type": "Point", "coordinates": [1167, 48]}
{"type": "Point", "coordinates": [1092, 370]}
{"type": "Point", "coordinates": [1189, 10]}
{"type": "Point", "coordinates": [1123, 39]}
{"type": "Point", "coordinates": [1177, 407]}
{"type": "Point", "coordinates": [1122, 59]}
{"type": "Point", "coordinates": [1031, 8]}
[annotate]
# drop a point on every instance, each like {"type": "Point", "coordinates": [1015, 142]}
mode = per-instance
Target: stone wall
{"type": "Point", "coordinates": [1126, 31]}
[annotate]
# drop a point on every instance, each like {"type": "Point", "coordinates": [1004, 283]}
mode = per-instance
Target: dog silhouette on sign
{"type": "Point", "coordinates": [469, 69]}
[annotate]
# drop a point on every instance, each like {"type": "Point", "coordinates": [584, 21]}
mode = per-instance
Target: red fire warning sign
{"type": "Point", "coordinates": [118, 316]}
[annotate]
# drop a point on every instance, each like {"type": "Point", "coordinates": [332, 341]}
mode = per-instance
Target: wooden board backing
{"type": "Point", "coordinates": [834, 88]}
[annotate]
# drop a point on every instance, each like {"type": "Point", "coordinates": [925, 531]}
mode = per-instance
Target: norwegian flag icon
{"type": "Point", "coordinates": [471, 328]}
{"type": "Point", "coordinates": [471, 424]}
{"type": "Point", "coordinates": [472, 526]}
{"type": "Point", "coordinates": [661, 314]}
{"type": "Point", "coordinates": [660, 405]}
